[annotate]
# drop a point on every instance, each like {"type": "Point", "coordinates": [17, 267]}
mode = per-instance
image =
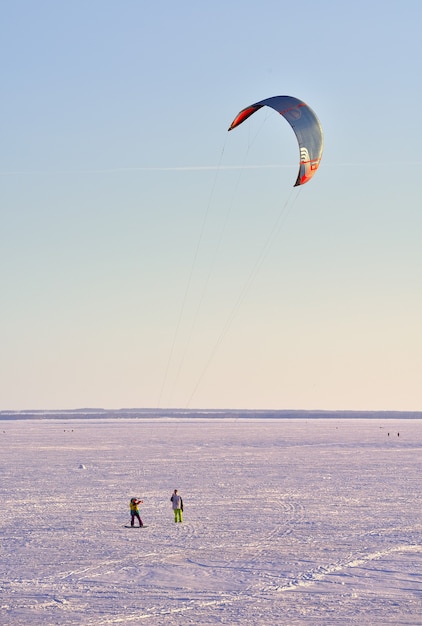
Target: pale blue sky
{"type": "Point", "coordinates": [135, 270]}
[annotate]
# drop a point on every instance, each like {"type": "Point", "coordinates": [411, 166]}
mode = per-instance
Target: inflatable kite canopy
{"type": "Point", "coordinates": [305, 124]}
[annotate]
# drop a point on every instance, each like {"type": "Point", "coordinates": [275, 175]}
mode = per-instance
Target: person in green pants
{"type": "Point", "coordinates": [177, 503]}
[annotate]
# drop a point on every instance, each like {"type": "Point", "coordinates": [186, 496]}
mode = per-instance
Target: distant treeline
{"type": "Point", "coordinates": [204, 414]}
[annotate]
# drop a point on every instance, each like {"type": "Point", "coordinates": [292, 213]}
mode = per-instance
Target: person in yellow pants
{"type": "Point", "coordinates": [177, 504]}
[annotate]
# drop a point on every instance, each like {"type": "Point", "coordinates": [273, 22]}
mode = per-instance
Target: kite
{"type": "Point", "coordinates": [305, 124]}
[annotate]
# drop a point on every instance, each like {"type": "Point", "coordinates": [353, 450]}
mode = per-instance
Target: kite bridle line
{"type": "Point", "coordinates": [189, 279]}
{"type": "Point", "coordinates": [218, 245]}
{"type": "Point", "coordinates": [263, 254]}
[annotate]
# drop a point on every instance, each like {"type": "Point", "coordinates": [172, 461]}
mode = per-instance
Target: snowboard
{"type": "Point", "coordinates": [144, 526]}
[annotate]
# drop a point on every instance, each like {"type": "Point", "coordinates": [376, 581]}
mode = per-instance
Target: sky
{"type": "Point", "coordinates": [149, 258]}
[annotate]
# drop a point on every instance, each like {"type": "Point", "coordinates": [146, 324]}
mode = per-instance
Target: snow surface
{"type": "Point", "coordinates": [286, 521]}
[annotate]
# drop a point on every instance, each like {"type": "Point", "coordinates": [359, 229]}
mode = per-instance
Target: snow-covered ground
{"type": "Point", "coordinates": [286, 521]}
